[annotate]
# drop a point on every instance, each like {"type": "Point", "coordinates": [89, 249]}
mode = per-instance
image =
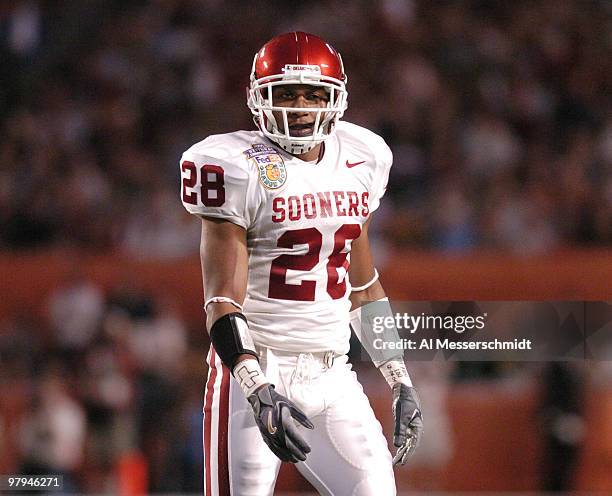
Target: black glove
{"type": "Point", "coordinates": [274, 415]}
{"type": "Point", "coordinates": [408, 422]}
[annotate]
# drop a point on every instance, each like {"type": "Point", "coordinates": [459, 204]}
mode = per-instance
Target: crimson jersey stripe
{"type": "Point", "coordinates": [212, 376]}
{"type": "Point", "coordinates": [223, 441]}
{"type": "Point", "coordinates": [222, 473]}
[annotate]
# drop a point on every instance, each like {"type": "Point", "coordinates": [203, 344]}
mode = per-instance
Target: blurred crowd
{"type": "Point", "coordinates": [102, 376]}
{"type": "Point", "coordinates": [498, 114]}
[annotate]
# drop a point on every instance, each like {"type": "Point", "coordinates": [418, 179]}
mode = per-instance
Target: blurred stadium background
{"type": "Point", "coordinates": [499, 116]}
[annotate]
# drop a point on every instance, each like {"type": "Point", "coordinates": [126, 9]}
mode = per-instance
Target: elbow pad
{"type": "Point", "coordinates": [231, 338]}
{"type": "Point", "coordinates": [363, 322]}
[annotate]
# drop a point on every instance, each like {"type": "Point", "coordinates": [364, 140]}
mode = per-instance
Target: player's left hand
{"type": "Point", "coordinates": [408, 422]}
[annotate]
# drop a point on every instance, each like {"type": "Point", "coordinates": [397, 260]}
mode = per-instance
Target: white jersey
{"type": "Point", "coordinates": [300, 220]}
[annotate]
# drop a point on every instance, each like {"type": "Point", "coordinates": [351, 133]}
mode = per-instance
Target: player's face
{"type": "Point", "coordinates": [300, 96]}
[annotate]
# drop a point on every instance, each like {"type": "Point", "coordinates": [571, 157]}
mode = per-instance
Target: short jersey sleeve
{"type": "Point", "coordinates": [384, 159]}
{"type": "Point", "coordinates": [211, 187]}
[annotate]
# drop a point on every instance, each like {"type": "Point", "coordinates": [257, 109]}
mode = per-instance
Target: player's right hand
{"type": "Point", "coordinates": [275, 417]}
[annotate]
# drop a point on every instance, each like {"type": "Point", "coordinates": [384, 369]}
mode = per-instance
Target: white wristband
{"type": "Point", "coordinates": [394, 371]}
{"type": "Point", "coordinates": [249, 375]}
{"type": "Point", "coordinates": [221, 299]}
{"type": "Point", "coordinates": [367, 284]}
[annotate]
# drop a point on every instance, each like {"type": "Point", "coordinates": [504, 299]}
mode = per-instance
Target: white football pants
{"type": "Point", "coordinates": [349, 454]}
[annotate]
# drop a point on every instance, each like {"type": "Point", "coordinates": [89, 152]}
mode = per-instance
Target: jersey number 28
{"type": "Point", "coordinates": [213, 184]}
{"type": "Point", "coordinates": [311, 236]}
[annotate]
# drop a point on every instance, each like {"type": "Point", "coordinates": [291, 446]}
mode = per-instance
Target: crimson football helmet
{"type": "Point", "coordinates": [297, 58]}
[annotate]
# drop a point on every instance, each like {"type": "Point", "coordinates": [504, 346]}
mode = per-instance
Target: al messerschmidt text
{"type": "Point", "coordinates": [447, 344]}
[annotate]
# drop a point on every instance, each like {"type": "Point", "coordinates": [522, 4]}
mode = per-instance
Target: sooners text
{"type": "Point", "coordinates": [320, 204]}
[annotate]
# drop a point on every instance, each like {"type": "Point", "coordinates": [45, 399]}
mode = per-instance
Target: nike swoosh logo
{"type": "Point", "coordinates": [351, 165]}
{"type": "Point", "coordinates": [271, 429]}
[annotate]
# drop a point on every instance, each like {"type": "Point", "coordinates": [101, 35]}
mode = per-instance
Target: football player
{"type": "Point", "coordinates": [282, 208]}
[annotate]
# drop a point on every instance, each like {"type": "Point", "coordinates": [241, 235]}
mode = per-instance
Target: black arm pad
{"type": "Point", "coordinates": [230, 337]}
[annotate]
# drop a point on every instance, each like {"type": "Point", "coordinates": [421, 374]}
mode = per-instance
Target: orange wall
{"type": "Point", "coordinates": [25, 280]}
